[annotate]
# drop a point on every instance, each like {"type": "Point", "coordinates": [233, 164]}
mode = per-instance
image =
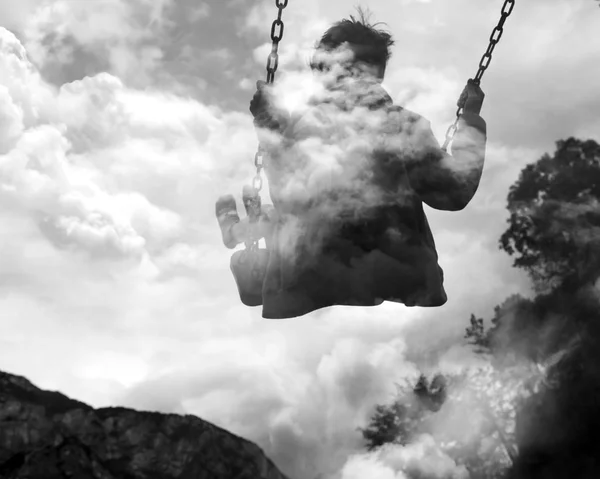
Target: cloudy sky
{"type": "Point", "coordinates": [121, 123]}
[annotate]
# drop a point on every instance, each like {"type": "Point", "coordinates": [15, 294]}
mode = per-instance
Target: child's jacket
{"type": "Point", "coordinates": [348, 181]}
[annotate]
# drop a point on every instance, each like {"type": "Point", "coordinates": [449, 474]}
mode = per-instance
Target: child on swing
{"type": "Point", "coordinates": [348, 179]}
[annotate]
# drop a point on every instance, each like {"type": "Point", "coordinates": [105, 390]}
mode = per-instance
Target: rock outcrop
{"type": "Point", "coordinates": [46, 435]}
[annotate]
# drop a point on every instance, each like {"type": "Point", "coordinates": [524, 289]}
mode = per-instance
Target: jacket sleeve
{"type": "Point", "coordinates": [443, 181]}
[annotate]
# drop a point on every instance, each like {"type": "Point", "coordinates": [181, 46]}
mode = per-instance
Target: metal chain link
{"type": "Point", "coordinates": [507, 9]}
{"type": "Point", "coordinates": [272, 63]}
{"type": "Point", "coordinates": [277, 28]}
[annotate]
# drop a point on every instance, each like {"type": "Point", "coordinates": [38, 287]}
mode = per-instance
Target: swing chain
{"type": "Point", "coordinates": [484, 63]}
{"type": "Point", "coordinates": [272, 64]}
{"type": "Point", "coordinates": [257, 182]}
{"type": "Point", "coordinates": [276, 36]}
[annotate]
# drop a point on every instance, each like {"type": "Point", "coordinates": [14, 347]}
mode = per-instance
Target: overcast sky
{"type": "Point", "coordinates": [121, 123]}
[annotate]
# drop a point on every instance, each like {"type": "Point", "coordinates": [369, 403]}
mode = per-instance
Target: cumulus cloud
{"type": "Point", "coordinates": [99, 169]}
{"type": "Point", "coordinates": [15, 15]}
{"type": "Point", "coordinates": [423, 458]}
{"type": "Point", "coordinates": [112, 34]}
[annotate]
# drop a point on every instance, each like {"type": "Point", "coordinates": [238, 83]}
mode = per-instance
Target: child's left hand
{"type": "Point", "coordinates": [264, 108]}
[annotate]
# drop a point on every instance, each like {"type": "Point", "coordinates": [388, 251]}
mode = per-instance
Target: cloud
{"type": "Point", "coordinates": [101, 172]}
{"type": "Point", "coordinates": [22, 82]}
{"type": "Point", "coordinates": [116, 34]}
{"type": "Point", "coordinates": [11, 121]}
{"type": "Point", "coordinates": [16, 14]}
{"type": "Point", "coordinates": [423, 458]}
{"type": "Point", "coordinates": [200, 12]}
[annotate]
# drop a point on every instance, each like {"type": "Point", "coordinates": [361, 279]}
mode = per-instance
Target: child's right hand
{"type": "Point", "coordinates": [471, 99]}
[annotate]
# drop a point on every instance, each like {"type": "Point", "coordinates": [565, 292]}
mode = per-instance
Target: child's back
{"type": "Point", "coordinates": [351, 229]}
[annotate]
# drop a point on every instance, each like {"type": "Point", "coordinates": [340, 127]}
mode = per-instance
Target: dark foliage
{"type": "Point", "coordinates": [555, 216]}
{"type": "Point", "coordinates": [399, 421]}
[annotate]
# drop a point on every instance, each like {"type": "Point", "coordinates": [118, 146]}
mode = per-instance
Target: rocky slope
{"type": "Point", "coordinates": [46, 435]}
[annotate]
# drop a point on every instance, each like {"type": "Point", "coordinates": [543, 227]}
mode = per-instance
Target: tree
{"type": "Point", "coordinates": [386, 426]}
{"type": "Point", "coordinates": [477, 335]}
{"type": "Point", "coordinates": [554, 224]}
{"type": "Point", "coordinates": [464, 413]}
{"type": "Point", "coordinates": [401, 420]}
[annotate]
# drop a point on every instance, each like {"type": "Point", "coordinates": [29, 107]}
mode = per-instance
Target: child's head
{"type": "Point", "coordinates": [354, 45]}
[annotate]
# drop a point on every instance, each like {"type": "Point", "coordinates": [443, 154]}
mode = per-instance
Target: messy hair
{"type": "Point", "coordinates": [359, 32]}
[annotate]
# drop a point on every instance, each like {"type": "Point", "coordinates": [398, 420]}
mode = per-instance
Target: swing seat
{"type": "Point", "coordinates": [249, 269]}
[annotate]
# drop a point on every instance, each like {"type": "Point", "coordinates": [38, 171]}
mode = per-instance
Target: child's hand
{"type": "Point", "coordinates": [244, 230]}
{"type": "Point", "coordinates": [263, 107]}
{"type": "Point", "coordinates": [260, 104]}
{"type": "Point", "coordinates": [471, 99]}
